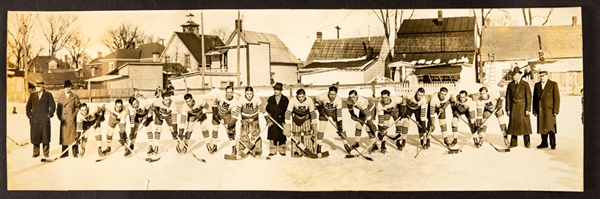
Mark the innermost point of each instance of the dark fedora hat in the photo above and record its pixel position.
(68, 83)
(39, 82)
(278, 86)
(516, 70)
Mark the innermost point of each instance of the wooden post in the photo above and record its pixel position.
(239, 74)
(90, 91)
(202, 41)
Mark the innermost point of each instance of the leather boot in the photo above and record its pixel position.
(75, 150)
(46, 148)
(36, 151)
(65, 149)
(552, 136)
(513, 141)
(544, 143)
(527, 141)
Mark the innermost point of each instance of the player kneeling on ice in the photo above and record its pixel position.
(249, 107)
(118, 116)
(164, 109)
(301, 117)
(89, 119)
(365, 118)
(388, 108)
(191, 112)
(140, 113)
(222, 112)
(437, 107)
(462, 105)
(329, 104)
(486, 106)
(413, 104)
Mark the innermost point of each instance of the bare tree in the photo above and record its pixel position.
(524, 16)
(20, 43)
(222, 32)
(123, 36)
(529, 16)
(76, 47)
(548, 17)
(387, 18)
(58, 30)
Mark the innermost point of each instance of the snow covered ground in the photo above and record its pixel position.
(472, 169)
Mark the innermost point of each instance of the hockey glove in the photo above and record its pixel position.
(340, 126)
(147, 121)
(215, 114)
(287, 130)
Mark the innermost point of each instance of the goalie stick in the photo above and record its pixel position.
(247, 149)
(301, 146)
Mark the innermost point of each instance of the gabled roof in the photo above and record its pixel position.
(193, 43)
(53, 78)
(449, 24)
(359, 64)
(280, 53)
(40, 63)
(345, 48)
(521, 42)
(142, 52)
(444, 57)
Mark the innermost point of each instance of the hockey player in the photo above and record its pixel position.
(223, 109)
(140, 113)
(164, 109)
(365, 118)
(486, 105)
(89, 119)
(388, 108)
(191, 112)
(301, 117)
(413, 104)
(249, 107)
(462, 105)
(329, 104)
(437, 106)
(118, 115)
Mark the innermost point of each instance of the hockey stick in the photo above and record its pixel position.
(476, 131)
(382, 136)
(349, 155)
(499, 150)
(455, 151)
(64, 151)
(22, 144)
(102, 158)
(127, 145)
(301, 146)
(186, 147)
(426, 135)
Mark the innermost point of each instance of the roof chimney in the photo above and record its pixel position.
(319, 36)
(99, 54)
(238, 24)
(440, 18)
(574, 21)
(155, 56)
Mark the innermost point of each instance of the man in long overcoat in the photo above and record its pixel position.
(276, 106)
(546, 104)
(518, 108)
(39, 109)
(67, 107)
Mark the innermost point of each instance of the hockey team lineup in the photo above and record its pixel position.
(305, 123)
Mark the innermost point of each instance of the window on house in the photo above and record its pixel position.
(506, 75)
(186, 60)
(111, 66)
(93, 72)
(224, 84)
(52, 64)
(224, 64)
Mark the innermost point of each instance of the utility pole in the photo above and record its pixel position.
(338, 31)
(239, 74)
(202, 41)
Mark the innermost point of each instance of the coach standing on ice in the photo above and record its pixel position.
(67, 107)
(276, 106)
(40, 108)
(518, 108)
(546, 104)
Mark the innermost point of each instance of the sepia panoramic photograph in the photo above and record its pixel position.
(465, 99)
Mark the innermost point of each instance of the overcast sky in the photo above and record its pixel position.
(296, 28)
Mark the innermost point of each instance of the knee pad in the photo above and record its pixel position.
(320, 135)
(358, 132)
(205, 134)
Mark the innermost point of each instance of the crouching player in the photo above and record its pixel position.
(330, 105)
(486, 105)
(301, 118)
(413, 104)
(192, 112)
(437, 107)
(89, 119)
(249, 107)
(365, 118)
(140, 113)
(462, 105)
(164, 110)
(222, 112)
(118, 116)
(387, 108)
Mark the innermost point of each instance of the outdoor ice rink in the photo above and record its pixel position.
(433, 170)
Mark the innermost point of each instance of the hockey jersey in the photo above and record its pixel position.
(384, 107)
(463, 107)
(224, 105)
(364, 105)
(330, 107)
(302, 110)
(119, 115)
(164, 108)
(489, 104)
(143, 109)
(94, 112)
(412, 103)
(435, 102)
(200, 107)
(249, 107)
